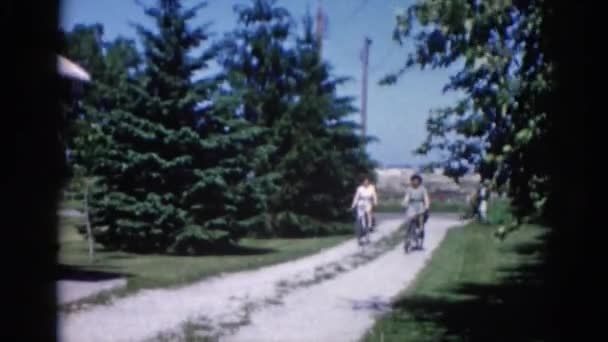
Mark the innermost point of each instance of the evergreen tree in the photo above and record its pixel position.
(183, 164)
(257, 64)
(109, 64)
(112, 66)
(316, 154)
(153, 153)
(325, 156)
(229, 199)
(83, 45)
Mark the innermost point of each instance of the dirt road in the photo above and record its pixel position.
(330, 296)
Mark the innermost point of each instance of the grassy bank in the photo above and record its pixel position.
(150, 271)
(474, 289)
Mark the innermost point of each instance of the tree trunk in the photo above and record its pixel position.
(90, 237)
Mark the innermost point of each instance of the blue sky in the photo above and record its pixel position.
(396, 114)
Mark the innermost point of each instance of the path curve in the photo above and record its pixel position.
(246, 305)
(344, 308)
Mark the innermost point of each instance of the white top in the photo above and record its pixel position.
(366, 194)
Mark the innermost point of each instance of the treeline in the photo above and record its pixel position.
(182, 163)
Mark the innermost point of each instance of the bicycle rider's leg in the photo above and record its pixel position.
(358, 224)
(372, 220)
(360, 227)
(422, 230)
(408, 220)
(368, 219)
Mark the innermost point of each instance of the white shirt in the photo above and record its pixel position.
(366, 194)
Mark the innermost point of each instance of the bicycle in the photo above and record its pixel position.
(414, 235)
(362, 226)
(372, 227)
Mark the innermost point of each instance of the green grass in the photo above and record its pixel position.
(499, 212)
(475, 288)
(151, 271)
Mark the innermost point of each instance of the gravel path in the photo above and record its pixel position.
(344, 308)
(69, 291)
(310, 299)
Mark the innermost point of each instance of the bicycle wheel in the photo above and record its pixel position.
(407, 247)
(419, 238)
(367, 229)
(410, 236)
(361, 230)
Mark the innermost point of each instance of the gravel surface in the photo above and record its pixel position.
(330, 296)
(344, 308)
(70, 290)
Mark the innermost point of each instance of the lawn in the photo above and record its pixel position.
(150, 271)
(475, 288)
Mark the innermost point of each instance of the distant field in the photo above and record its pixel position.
(446, 195)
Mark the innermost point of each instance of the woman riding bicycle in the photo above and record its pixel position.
(416, 199)
(366, 196)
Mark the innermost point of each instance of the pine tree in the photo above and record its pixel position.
(229, 199)
(324, 154)
(153, 152)
(83, 45)
(257, 64)
(111, 65)
(316, 154)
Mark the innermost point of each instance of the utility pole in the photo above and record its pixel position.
(321, 25)
(365, 60)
